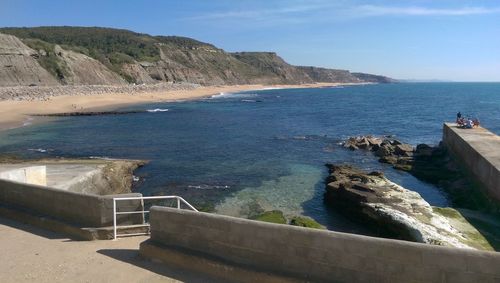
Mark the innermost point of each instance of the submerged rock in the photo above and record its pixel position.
(389, 150)
(401, 213)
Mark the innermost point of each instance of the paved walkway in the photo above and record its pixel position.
(29, 254)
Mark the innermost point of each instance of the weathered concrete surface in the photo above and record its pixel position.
(90, 176)
(199, 263)
(317, 255)
(479, 151)
(35, 175)
(75, 208)
(80, 203)
(29, 254)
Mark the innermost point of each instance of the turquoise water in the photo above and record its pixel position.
(266, 148)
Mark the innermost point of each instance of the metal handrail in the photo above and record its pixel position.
(115, 235)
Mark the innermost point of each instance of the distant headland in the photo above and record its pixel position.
(52, 56)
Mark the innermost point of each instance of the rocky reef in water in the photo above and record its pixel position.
(431, 164)
(396, 212)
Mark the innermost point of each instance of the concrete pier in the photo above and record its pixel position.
(479, 150)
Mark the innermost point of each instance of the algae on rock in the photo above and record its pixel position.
(274, 216)
(307, 222)
(403, 214)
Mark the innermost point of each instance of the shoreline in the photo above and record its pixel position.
(19, 113)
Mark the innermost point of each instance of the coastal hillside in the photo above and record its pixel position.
(105, 56)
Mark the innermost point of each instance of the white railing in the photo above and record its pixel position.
(180, 201)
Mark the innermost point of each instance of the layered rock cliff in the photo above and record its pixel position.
(18, 64)
(104, 56)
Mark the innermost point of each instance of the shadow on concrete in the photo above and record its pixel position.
(131, 256)
(32, 229)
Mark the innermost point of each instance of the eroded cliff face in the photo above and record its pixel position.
(83, 70)
(274, 67)
(19, 66)
(330, 75)
(103, 56)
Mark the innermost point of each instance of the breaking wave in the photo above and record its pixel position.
(157, 110)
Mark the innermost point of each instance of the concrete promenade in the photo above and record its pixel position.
(29, 254)
(479, 151)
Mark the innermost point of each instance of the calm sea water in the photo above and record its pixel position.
(264, 149)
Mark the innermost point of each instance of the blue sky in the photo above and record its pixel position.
(421, 39)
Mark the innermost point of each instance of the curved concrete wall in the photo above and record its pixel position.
(81, 209)
(317, 255)
(479, 151)
(36, 175)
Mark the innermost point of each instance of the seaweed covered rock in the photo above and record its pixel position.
(277, 216)
(307, 222)
(432, 164)
(399, 213)
(273, 216)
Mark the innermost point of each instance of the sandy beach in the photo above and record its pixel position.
(18, 113)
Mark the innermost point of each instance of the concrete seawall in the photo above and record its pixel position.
(232, 245)
(82, 210)
(479, 150)
(36, 175)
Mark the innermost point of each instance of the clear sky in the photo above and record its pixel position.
(421, 39)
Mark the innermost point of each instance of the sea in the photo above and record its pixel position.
(238, 153)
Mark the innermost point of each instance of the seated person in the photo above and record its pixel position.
(475, 122)
(469, 124)
(461, 122)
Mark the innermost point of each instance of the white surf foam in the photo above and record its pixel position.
(221, 95)
(39, 150)
(157, 110)
(28, 121)
(232, 95)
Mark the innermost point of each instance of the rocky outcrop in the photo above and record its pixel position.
(373, 78)
(138, 73)
(432, 164)
(329, 75)
(400, 213)
(18, 64)
(388, 150)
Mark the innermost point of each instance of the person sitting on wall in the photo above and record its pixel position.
(469, 124)
(461, 122)
(459, 116)
(475, 122)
